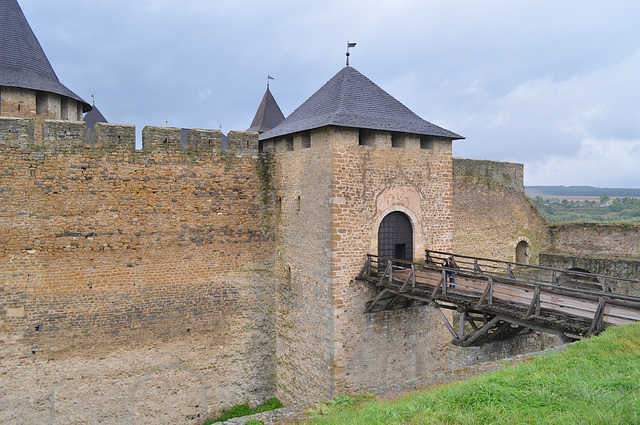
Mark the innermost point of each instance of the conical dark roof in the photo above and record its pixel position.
(350, 99)
(94, 116)
(22, 61)
(268, 115)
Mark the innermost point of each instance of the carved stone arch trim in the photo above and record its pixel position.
(418, 243)
(516, 247)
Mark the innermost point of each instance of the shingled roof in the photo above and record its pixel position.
(350, 99)
(23, 63)
(94, 116)
(268, 115)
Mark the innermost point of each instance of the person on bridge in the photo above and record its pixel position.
(450, 264)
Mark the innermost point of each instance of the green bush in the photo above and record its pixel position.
(244, 410)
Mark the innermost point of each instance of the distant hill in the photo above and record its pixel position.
(560, 191)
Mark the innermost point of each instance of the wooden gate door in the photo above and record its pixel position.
(395, 237)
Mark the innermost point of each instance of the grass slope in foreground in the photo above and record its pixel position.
(595, 381)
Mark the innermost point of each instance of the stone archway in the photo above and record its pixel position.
(523, 252)
(395, 236)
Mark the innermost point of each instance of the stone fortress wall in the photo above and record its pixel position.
(137, 286)
(492, 214)
(163, 284)
(608, 249)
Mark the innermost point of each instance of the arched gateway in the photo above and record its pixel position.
(395, 236)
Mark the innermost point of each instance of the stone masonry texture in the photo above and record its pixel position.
(165, 284)
(491, 212)
(136, 285)
(332, 194)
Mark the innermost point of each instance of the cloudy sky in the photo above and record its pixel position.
(551, 84)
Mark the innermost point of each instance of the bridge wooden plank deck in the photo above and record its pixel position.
(500, 300)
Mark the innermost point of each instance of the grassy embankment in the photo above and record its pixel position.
(595, 381)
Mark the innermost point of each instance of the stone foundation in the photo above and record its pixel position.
(461, 357)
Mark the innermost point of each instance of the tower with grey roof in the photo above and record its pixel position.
(29, 87)
(268, 114)
(356, 172)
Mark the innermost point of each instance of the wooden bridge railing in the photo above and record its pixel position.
(528, 296)
(539, 274)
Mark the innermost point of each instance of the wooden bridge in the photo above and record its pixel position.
(499, 300)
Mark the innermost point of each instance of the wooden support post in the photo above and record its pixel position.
(463, 317)
(392, 302)
(485, 293)
(368, 265)
(413, 275)
(440, 283)
(376, 299)
(428, 258)
(472, 323)
(390, 266)
(597, 325)
(383, 276)
(482, 331)
(446, 322)
(535, 304)
(443, 279)
(366, 269)
(490, 302)
(405, 283)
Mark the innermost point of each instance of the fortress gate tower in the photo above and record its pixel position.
(356, 172)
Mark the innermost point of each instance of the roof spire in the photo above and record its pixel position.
(349, 45)
(269, 114)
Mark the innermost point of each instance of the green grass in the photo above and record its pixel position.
(596, 381)
(244, 410)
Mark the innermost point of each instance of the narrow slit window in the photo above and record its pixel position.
(305, 140)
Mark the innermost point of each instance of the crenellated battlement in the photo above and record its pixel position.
(169, 142)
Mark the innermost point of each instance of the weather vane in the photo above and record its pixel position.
(269, 77)
(349, 44)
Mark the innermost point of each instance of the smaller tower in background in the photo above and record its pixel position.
(268, 115)
(91, 118)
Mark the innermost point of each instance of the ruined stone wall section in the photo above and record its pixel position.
(127, 271)
(369, 182)
(491, 173)
(492, 213)
(597, 240)
(625, 268)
